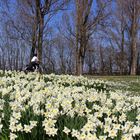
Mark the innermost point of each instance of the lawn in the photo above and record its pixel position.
(125, 83)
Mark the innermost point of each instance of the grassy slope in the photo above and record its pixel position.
(131, 83)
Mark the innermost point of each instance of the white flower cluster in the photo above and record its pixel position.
(28, 97)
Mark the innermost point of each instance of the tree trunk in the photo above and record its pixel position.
(33, 41)
(17, 59)
(133, 57)
(40, 23)
(122, 54)
(102, 67)
(77, 37)
(79, 67)
(40, 37)
(133, 35)
(76, 64)
(138, 57)
(76, 55)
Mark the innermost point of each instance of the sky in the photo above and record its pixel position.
(71, 8)
(56, 18)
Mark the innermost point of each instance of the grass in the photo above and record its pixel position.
(126, 83)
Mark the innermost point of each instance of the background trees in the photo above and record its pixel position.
(71, 36)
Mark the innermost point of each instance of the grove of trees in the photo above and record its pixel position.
(71, 36)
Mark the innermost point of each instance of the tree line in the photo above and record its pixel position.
(71, 36)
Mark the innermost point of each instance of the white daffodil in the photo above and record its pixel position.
(66, 130)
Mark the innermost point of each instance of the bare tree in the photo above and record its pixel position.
(116, 33)
(46, 8)
(132, 11)
(85, 27)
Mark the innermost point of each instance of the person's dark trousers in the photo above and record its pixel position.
(35, 65)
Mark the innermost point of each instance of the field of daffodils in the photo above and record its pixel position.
(52, 107)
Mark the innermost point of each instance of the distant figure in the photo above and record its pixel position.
(35, 62)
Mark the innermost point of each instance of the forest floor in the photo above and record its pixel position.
(126, 83)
